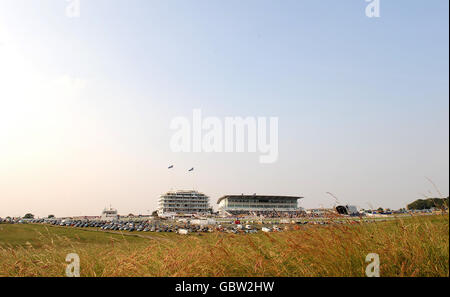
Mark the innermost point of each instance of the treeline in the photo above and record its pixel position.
(429, 203)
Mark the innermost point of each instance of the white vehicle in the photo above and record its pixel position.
(182, 231)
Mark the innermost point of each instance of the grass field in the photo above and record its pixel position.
(416, 246)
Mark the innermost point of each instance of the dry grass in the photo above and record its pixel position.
(417, 246)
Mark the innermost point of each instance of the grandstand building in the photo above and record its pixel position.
(257, 204)
(183, 202)
(109, 214)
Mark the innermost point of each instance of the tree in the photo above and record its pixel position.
(429, 203)
(28, 216)
(51, 216)
(155, 214)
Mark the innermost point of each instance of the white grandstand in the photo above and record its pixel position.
(183, 202)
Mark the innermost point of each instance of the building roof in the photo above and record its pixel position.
(183, 192)
(254, 196)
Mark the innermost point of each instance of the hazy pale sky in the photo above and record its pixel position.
(86, 103)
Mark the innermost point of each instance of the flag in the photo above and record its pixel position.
(170, 167)
(192, 169)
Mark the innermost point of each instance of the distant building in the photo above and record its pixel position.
(109, 214)
(257, 203)
(183, 202)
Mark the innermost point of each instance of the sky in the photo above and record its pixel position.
(86, 102)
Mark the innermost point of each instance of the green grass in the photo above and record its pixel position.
(39, 235)
(417, 246)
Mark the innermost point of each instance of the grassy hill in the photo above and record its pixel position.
(429, 203)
